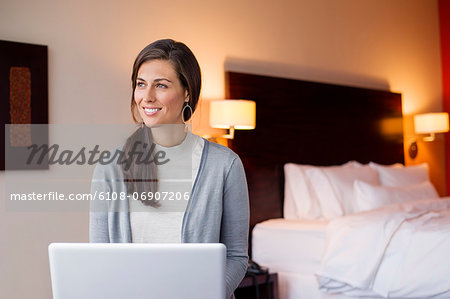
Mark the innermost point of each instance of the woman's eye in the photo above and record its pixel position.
(140, 84)
(159, 85)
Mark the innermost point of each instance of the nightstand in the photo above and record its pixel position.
(247, 287)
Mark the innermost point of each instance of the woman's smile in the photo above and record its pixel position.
(151, 111)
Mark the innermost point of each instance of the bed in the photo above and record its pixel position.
(352, 235)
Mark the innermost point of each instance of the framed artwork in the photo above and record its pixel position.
(24, 102)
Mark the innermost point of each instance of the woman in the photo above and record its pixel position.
(166, 84)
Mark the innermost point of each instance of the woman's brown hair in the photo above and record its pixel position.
(142, 177)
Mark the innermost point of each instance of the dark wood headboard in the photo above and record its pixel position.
(310, 123)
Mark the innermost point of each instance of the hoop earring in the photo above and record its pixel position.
(187, 125)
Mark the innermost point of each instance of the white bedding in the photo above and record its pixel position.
(301, 286)
(289, 245)
(293, 249)
(399, 250)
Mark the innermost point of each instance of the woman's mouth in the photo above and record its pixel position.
(151, 111)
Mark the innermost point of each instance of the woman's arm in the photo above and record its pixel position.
(235, 225)
(98, 212)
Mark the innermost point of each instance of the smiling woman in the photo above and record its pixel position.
(166, 83)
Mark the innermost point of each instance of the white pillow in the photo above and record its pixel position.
(370, 197)
(333, 187)
(300, 201)
(401, 176)
(396, 165)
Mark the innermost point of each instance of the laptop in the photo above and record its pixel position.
(127, 270)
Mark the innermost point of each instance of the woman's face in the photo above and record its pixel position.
(159, 95)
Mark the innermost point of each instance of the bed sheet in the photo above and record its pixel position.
(289, 245)
(305, 286)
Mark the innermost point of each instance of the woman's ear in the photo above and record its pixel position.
(186, 96)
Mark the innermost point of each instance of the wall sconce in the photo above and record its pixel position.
(232, 115)
(431, 123)
(428, 123)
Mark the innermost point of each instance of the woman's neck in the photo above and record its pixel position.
(168, 135)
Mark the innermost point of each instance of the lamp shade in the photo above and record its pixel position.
(239, 114)
(431, 123)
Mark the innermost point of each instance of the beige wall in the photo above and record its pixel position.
(92, 44)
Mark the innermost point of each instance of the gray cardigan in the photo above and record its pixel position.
(217, 212)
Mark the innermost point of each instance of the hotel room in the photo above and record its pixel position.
(313, 68)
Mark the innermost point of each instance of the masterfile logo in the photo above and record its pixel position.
(55, 169)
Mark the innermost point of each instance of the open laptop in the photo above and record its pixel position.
(124, 270)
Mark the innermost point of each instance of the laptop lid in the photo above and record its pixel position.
(126, 270)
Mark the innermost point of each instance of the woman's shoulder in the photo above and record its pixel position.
(219, 152)
(221, 159)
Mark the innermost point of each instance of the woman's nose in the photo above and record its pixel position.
(149, 96)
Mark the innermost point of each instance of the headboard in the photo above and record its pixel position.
(310, 123)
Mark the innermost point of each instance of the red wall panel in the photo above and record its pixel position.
(444, 22)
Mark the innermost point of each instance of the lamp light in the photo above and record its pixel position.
(431, 123)
(428, 123)
(232, 114)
